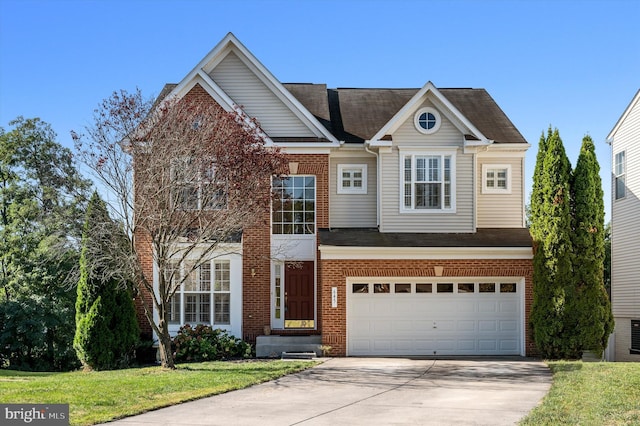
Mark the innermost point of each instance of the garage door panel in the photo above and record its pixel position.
(508, 325)
(509, 345)
(468, 325)
(489, 326)
(487, 306)
(465, 323)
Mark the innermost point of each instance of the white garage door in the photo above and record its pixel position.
(409, 317)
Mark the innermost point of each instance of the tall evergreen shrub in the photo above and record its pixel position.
(595, 320)
(106, 326)
(552, 309)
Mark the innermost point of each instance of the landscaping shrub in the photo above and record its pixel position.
(203, 343)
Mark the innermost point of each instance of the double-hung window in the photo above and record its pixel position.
(428, 182)
(202, 293)
(195, 185)
(619, 172)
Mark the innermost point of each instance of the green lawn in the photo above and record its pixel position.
(598, 393)
(96, 397)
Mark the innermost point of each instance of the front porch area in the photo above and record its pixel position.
(274, 346)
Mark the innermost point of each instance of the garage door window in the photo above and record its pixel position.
(402, 288)
(381, 288)
(466, 288)
(360, 288)
(445, 287)
(424, 288)
(430, 288)
(487, 287)
(508, 288)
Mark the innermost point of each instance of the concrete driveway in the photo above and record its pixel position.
(375, 391)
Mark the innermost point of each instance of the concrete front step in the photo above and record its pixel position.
(274, 346)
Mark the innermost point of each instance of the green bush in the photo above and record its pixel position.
(204, 343)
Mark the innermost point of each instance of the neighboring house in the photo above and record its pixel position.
(407, 232)
(625, 233)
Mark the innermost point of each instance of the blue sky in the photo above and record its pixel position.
(574, 65)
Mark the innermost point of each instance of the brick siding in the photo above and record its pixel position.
(335, 272)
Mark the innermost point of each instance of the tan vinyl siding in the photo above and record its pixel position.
(447, 135)
(258, 100)
(394, 221)
(625, 239)
(495, 210)
(353, 210)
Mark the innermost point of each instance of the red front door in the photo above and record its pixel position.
(299, 295)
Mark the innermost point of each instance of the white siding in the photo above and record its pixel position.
(501, 210)
(247, 90)
(353, 210)
(625, 238)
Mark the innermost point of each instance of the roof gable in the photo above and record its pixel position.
(429, 91)
(625, 114)
(230, 50)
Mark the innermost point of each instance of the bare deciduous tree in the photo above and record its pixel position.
(202, 175)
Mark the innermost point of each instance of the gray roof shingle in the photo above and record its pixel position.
(483, 237)
(355, 115)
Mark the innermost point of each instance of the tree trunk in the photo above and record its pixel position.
(164, 347)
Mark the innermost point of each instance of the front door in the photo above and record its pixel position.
(299, 295)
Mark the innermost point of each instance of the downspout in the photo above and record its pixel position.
(366, 148)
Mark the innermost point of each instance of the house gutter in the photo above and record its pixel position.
(378, 189)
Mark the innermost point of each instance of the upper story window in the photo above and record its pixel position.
(619, 171)
(294, 206)
(195, 186)
(352, 178)
(428, 182)
(427, 120)
(496, 179)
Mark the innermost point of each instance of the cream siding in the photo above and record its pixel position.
(408, 137)
(496, 210)
(394, 221)
(625, 229)
(353, 210)
(258, 100)
(447, 135)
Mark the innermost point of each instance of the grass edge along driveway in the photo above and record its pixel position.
(592, 393)
(100, 396)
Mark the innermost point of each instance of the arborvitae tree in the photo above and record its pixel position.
(536, 190)
(553, 291)
(106, 325)
(595, 320)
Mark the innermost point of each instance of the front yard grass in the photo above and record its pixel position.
(593, 393)
(100, 396)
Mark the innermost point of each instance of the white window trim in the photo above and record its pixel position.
(487, 190)
(617, 176)
(226, 252)
(352, 167)
(435, 113)
(315, 217)
(426, 152)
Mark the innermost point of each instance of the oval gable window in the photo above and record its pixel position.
(427, 120)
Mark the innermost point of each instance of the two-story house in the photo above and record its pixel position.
(624, 139)
(399, 230)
